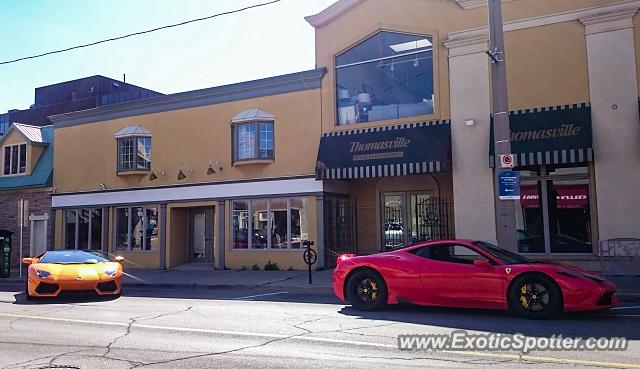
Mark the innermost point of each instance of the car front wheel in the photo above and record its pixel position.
(366, 290)
(535, 297)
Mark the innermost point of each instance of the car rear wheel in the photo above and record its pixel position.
(366, 290)
(535, 297)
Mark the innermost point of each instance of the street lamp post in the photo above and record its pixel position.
(506, 220)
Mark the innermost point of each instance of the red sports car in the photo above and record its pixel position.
(469, 274)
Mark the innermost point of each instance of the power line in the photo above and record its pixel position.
(140, 33)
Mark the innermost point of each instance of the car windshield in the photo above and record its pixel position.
(507, 257)
(72, 257)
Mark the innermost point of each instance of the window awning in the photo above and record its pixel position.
(550, 135)
(398, 150)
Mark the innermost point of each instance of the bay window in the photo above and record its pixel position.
(269, 224)
(253, 141)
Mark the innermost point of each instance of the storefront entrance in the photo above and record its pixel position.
(201, 235)
(412, 217)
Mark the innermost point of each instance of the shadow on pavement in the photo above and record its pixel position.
(600, 324)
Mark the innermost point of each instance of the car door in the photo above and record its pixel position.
(450, 278)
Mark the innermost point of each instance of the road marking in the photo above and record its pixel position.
(548, 359)
(625, 307)
(260, 295)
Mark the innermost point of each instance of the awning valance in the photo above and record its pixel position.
(550, 135)
(398, 150)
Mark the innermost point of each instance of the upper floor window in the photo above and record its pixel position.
(15, 159)
(387, 76)
(134, 149)
(253, 137)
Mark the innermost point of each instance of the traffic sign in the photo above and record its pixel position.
(506, 161)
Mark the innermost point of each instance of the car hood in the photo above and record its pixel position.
(76, 269)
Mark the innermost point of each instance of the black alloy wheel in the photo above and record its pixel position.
(366, 290)
(535, 297)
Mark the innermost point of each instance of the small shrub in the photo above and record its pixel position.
(244, 267)
(255, 266)
(271, 266)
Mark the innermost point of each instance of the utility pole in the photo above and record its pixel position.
(506, 218)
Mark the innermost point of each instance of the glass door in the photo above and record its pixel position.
(408, 218)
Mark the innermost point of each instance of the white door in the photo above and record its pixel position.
(38, 236)
(199, 236)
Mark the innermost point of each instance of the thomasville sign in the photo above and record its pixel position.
(565, 130)
(397, 143)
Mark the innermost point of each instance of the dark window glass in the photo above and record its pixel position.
(70, 229)
(387, 76)
(529, 221)
(122, 229)
(279, 223)
(96, 229)
(569, 216)
(14, 158)
(7, 160)
(240, 224)
(83, 229)
(259, 222)
(299, 221)
(23, 159)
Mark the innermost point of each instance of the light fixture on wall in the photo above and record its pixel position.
(102, 187)
(210, 170)
(469, 122)
(181, 175)
(153, 176)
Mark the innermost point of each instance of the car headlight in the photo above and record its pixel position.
(111, 271)
(42, 273)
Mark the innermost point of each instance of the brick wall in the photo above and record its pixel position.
(39, 204)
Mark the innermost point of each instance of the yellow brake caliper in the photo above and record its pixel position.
(523, 298)
(374, 291)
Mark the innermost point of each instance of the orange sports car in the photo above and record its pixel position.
(72, 270)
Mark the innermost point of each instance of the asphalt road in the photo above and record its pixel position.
(263, 328)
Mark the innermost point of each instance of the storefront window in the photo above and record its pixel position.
(554, 211)
(529, 220)
(83, 229)
(299, 222)
(240, 224)
(259, 220)
(137, 229)
(70, 229)
(280, 223)
(387, 76)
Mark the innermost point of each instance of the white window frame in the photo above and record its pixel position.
(145, 221)
(18, 173)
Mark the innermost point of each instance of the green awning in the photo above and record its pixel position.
(550, 135)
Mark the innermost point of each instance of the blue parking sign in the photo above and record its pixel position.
(509, 185)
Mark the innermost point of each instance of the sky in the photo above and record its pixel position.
(256, 43)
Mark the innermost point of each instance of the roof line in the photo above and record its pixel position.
(292, 82)
(332, 12)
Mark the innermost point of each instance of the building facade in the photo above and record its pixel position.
(386, 143)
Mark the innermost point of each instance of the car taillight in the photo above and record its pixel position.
(344, 257)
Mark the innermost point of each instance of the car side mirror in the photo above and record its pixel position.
(27, 261)
(481, 263)
(119, 259)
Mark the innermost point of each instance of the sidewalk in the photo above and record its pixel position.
(198, 278)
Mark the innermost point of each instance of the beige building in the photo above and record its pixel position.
(386, 143)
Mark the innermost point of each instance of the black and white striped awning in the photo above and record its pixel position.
(549, 135)
(398, 150)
